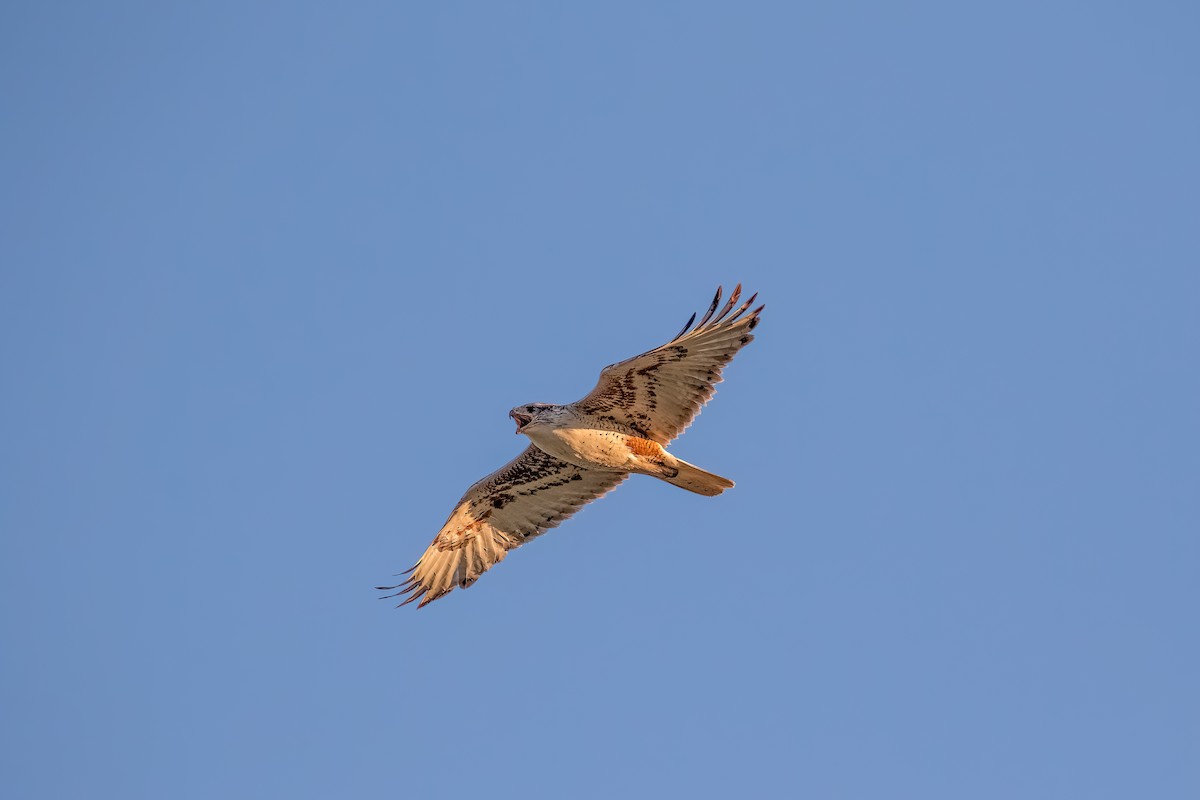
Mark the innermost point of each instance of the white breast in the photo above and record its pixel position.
(584, 447)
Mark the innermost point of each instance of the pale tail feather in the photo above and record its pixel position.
(696, 480)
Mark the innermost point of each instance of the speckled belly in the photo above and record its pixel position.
(586, 447)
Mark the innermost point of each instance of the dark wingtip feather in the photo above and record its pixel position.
(429, 598)
(708, 314)
(687, 325)
(743, 308)
(713, 317)
(401, 588)
(733, 298)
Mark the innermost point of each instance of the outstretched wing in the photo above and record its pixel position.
(660, 392)
(531, 494)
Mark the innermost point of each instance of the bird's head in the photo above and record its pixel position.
(528, 415)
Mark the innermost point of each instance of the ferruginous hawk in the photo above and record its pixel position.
(582, 450)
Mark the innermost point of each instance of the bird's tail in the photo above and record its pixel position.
(696, 480)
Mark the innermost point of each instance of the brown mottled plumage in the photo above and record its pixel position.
(582, 450)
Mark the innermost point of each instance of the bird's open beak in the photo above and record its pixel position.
(521, 419)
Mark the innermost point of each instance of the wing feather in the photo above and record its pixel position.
(525, 498)
(660, 392)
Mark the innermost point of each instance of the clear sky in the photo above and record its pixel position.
(272, 274)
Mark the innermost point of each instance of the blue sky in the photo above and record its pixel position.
(273, 275)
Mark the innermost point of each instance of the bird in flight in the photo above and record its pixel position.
(582, 450)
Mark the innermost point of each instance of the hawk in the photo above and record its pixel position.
(582, 450)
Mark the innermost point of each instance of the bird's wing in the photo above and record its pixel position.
(531, 494)
(660, 392)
